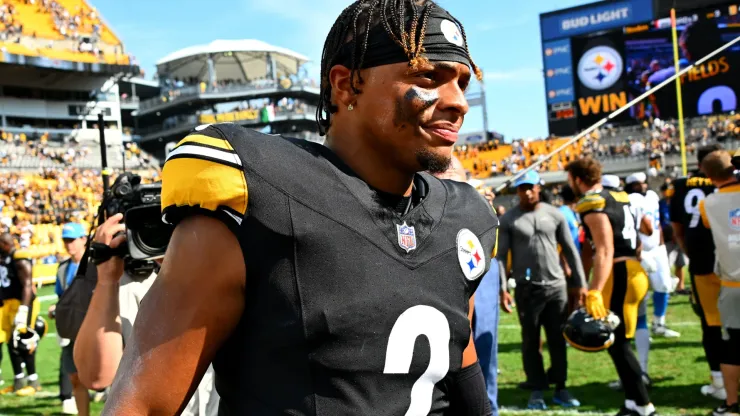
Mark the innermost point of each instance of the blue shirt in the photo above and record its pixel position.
(573, 224)
(485, 330)
(70, 275)
(665, 213)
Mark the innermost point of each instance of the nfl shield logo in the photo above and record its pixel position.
(735, 219)
(406, 237)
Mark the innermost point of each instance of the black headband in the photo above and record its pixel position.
(443, 41)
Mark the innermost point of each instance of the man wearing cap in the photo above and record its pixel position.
(75, 238)
(532, 232)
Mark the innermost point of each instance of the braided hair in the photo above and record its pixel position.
(353, 27)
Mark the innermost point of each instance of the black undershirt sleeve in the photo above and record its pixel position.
(467, 391)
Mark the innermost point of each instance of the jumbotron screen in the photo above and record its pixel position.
(599, 58)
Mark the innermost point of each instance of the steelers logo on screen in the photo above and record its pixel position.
(600, 68)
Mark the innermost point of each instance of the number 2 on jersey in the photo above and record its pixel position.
(629, 232)
(691, 205)
(415, 321)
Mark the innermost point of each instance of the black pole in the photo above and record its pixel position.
(103, 154)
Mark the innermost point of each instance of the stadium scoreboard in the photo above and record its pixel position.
(600, 56)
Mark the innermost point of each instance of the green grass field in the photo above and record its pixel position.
(678, 369)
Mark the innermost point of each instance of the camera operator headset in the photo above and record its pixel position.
(127, 261)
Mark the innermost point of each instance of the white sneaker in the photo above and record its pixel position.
(665, 332)
(69, 407)
(717, 392)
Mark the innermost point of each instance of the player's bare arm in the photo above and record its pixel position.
(98, 347)
(587, 258)
(470, 357)
(191, 309)
(601, 232)
(25, 276)
(680, 235)
(646, 226)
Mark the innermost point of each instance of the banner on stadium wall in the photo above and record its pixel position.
(244, 115)
(558, 71)
(592, 19)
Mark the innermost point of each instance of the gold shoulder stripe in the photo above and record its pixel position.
(206, 148)
(194, 181)
(206, 140)
(592, 202)
(620, 196)
(22, 255)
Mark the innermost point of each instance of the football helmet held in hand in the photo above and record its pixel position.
(585, 333)
(26, 341)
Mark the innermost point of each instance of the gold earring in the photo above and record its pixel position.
(350, 107)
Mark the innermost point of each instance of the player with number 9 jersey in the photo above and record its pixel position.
(684, 210)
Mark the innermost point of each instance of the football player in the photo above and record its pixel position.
(19, 313)
(308, 274)
(619, 281)
(715, 211)
(696, 241)
(646, 202)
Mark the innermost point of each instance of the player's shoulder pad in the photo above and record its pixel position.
(464, 195)
(22, 254)
(203, 171)
(591, 202)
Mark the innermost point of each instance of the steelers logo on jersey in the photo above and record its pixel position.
(470, 254)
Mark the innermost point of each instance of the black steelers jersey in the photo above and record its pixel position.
(10, 284)
(351, 308)
(684, 209)
(616, 205)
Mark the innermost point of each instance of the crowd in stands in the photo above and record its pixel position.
(59, 29)
(70, 25)
(33, 207)
(653, 140)
(10, 27)
(19, 145)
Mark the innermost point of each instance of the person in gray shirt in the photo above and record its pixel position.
(532, 232)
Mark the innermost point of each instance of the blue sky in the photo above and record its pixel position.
(504, 39)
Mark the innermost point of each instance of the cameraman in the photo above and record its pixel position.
(109, 321)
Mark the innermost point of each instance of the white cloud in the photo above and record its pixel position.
(518, 75)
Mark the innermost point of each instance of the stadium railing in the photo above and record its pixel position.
(193, 91)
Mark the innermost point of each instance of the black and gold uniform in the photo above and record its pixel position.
(11, 290)
(626, 287)
(688, 192)
(343, 280)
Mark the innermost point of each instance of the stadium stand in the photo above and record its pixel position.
(18, 152)
(69, 30)
(651, 142)
(34, 206)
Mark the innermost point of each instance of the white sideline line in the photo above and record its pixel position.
(47, 298)
(518, 411)
(669, 324)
